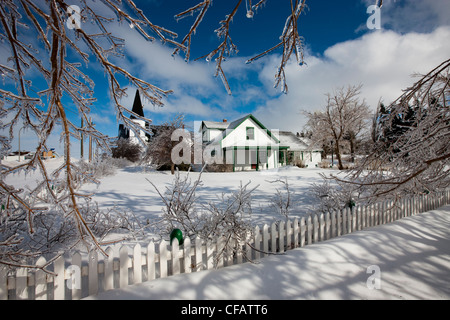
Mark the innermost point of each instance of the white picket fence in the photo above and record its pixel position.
(77, 277)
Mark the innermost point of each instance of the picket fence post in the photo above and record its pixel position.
(321, 227)
(151, 261)
(303, 231)
(239, 246)
(198, 254)
(257, 243)
(163, 259)
(296, 230)
(209, 255)
(309, 230)
(58, 280)
(109, 269)
(93, 273)
(187, 255)
(21, 283)
(137, 264)
(289, 234)
(3, 283)
(123, 267)
(273, 237)
(315, 233)
(40, 279)
(75, 278)
(266, 239)
(281, 234)
(175, 257)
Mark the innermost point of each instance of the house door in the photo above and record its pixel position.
(253, 159)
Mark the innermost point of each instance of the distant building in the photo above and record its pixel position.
(301, 150)
(126, 133)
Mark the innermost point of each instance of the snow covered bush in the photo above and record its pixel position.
(127, 150)
(284, 201)
(228, 217)
(331, 197)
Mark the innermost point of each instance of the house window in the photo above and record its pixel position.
(250, 133)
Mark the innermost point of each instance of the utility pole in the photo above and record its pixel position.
(82, 139)
(90, 141)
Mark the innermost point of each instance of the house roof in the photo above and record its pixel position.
(216, 125)
(233, 125)
(296, 143)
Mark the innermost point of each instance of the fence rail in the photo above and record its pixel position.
(79, 276)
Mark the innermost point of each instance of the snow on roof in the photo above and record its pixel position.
(294, 142)
(216, 125)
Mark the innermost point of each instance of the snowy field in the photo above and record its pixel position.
(129, 188)
(407, 259)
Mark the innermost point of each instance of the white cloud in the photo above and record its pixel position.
(383, 61)
(154, 63)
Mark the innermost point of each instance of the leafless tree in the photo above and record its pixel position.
(44, 76)
(160, 145)
(344, 115)
(416, 160)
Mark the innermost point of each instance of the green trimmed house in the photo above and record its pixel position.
(248, 145)
(245, 143)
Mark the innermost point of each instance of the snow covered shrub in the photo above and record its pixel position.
(331, 197)
(228, 217)
(283, 202)
(102, 167)
(128, 150)
(219, 167)
(112, 222)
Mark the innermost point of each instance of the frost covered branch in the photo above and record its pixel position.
(290, 40)
(411, 151)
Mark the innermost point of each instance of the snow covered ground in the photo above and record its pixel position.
(129, 188)
(410, 258)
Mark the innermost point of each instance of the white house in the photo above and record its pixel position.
(248, 145)
(245, 143)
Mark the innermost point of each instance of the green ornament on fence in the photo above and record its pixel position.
(351, 204)
(176, 233)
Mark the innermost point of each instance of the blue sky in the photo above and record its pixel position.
(339, 50)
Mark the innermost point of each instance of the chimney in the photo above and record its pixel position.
(224, 120)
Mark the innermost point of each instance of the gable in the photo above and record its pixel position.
(236, 134)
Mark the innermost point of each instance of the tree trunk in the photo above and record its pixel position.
(352, 149)
(338, 155)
